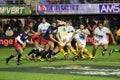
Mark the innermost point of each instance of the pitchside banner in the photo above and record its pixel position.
(14, 10)
(79, 8)
(9, 41)
(109, 8)
(68, 9)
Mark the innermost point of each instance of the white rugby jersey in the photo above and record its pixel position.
(101, 33)
(80, 35)
(43, 27)
(63, 31)
(71, 30)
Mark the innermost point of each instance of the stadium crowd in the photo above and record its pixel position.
(90, 22)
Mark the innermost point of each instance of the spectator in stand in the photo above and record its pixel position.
(12, 24)
(27, 21)
(1, 30)
(85, 1)
(5, 25)
(18, 25)
(91, 25)
(74, 2)
(37, 24)
(43, 1)
(9, 32)
(114, 24)
(118, 42)
(52, 1)
(2, 2)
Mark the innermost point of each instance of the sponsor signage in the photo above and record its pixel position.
(14, 10)
(109, 8)
(68, 8)
(112, 8)
(9, 41)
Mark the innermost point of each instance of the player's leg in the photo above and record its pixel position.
(94, 50)
(73, 51)
(63, 52)
(105, 46)
(11, 56)
(51, 44)
(87, 52)
(23, 47)
(36, 41)
(20, 51)
(115, 50)
(80, 48)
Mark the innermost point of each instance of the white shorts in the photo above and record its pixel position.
(70, 35)
(83, 42)
(101, 42)
(65, 40)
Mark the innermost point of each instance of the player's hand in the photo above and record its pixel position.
(96, 41)
(114, 42)
(24, 45)
(61, 43)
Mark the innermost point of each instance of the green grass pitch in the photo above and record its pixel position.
(102, 68)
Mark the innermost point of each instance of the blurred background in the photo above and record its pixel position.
(15, 14)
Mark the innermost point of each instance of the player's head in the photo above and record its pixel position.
(100, 24)
(43, 20)
(68, 22)
(26, 29)
(53, 24)
(82, 26)
(31, 23)
(61, 22)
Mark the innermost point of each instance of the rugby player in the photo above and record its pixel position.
(63, 38)
(42, 28)
(19, 45)
(80, 36)
(118, 41)
(49, 40)
(100, 34)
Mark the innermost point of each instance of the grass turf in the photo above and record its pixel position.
(30, 70)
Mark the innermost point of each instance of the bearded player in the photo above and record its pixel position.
(100, 34)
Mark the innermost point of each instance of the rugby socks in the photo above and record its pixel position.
(74, 52)
(18, 59)
(44, 53)
(117, 50)
(49, 53)
(7, 59)
(103, 52)
(11, 56)
(63, 52)
(87, 53)
(32, 51)
(82, 55)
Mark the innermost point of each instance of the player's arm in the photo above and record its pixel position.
(51, 37)
(19, 39)
(39, 29)
(58, 36)
(113, 39)
(117, 34)
(95, 37)
(72, 36)
(31, 33)
(86, 32)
